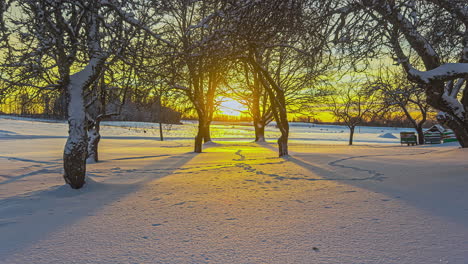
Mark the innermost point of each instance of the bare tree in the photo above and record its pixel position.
(115, 83)
(65, 45)
(249, 91)
(199, 56)
(428, 38)
(352, 106)
(272, 36)
(394, 90)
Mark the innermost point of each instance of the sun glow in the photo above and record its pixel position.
(231, 107)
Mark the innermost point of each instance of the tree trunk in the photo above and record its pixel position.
(75, 152)
(420, 132)
(76, 148)
(206, 132)
(94, 137)
(278, 102)
(283, 146)
(259, 132)
(199, 140)
(351, 135)
(459, 125)
(203, 130)
(161, 132)
(283, 125)
(460, 130)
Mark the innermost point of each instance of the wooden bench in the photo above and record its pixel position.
(408, 138)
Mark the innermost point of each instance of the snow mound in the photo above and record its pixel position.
(387, 135)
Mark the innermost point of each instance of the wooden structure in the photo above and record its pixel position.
(434, 135)
(408, 138)
(449, 136)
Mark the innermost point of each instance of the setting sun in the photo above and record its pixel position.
(233, 131)
(231, 107)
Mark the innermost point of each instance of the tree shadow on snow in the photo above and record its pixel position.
(26, 219)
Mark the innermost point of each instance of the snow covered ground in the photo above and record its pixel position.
(157, 202)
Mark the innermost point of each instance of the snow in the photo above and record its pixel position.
(387, 135)
(453, 104)
(76, 108)
(158, 202)
(443, 72)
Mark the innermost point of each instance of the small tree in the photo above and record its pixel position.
(282, 42)
(198, 57)
(251, 93)
(395, 91)
(352, 107)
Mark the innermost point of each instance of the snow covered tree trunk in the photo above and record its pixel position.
(460, 129)
(76, 148)
(461, 132)
(93, 142)
(454, 115)
(351, 135)
(74, 155)
(445, 97)
(259, 132)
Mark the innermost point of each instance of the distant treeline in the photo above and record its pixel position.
(50, 106)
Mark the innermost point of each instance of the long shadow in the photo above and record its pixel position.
(450, 203)
(142, 157)
(330, 175)
(41, 171)
(24, 220)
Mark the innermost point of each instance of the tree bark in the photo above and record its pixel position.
(93, 142)
(459, 125)
(283, 146)
(459, 129)
(75, 152)
(351, 135)
(420, 132)
(259, 132)
(198, 143)
(278, 102)
(161, 137)
(206, 132)
(199, 138)
(76, 148)
(283, 125)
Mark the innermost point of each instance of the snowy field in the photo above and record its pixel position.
(157, 202)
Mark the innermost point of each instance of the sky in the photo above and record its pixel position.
(232, 107)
